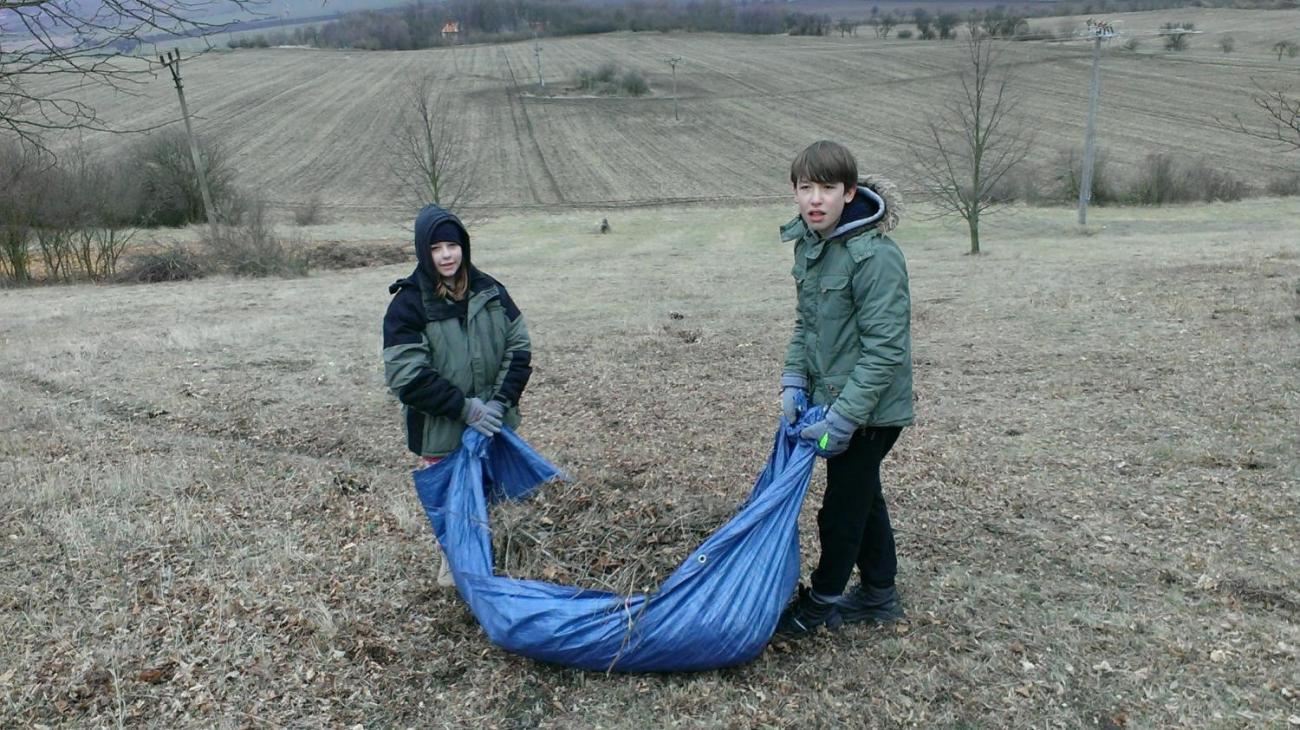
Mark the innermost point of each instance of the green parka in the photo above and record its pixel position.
(437, 353)
(852, 333)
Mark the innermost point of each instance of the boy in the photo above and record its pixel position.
(851, 351)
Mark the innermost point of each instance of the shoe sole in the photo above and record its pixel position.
(873, 618)
(833, 622)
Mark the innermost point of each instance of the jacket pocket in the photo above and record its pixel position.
(836, 301)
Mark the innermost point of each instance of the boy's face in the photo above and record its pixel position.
(821, 203)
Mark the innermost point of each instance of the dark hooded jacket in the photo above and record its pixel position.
(852, 340)
(438, 353)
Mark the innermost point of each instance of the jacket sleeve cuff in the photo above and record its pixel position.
(794, 380)
(839, 422)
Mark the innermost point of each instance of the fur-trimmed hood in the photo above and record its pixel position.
(875, 206)
(889, 199)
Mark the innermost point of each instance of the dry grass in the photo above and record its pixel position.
(207, 518)
(308, 124)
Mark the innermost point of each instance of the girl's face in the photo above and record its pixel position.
(446, 258)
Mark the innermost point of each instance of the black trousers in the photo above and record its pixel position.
(853, 523)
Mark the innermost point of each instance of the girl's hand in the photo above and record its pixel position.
(482, 417)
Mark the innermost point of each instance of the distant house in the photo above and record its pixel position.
(451, 31)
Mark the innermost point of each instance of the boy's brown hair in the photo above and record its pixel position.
(825, 162)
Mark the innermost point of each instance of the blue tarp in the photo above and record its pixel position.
(719, 608)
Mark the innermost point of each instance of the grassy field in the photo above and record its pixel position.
(306, 124)
(206, 518)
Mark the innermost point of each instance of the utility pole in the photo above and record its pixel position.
(537, 52)
(172, 60)
(1099, 31)
(673, 63)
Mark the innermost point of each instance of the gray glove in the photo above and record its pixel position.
(792, 385)
(830, 435)
(481, 417)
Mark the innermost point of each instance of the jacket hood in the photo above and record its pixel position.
(429, 218)
(425, 275)
(877, 205)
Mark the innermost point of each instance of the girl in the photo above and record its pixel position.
(456, 350)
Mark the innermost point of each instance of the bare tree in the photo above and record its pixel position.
(923, 21)
(58, 44)
(432, 155)
(19, 172)
(885, 25)
(1176, 35)
(1278, 121)
(1286, 47)
(972, 145)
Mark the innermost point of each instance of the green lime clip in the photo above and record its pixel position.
(825, 439)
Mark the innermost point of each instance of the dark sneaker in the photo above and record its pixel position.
(867, 603)
(805, 613)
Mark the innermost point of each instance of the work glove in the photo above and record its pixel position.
(830, 435)
(791, 387)
(481, 417)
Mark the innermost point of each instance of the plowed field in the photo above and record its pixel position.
(309, 123)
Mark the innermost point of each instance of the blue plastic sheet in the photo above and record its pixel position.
(719, 608)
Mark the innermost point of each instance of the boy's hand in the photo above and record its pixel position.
(831, 435)
(481, 417)
(791, 386)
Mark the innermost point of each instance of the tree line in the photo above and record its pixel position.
(420, 25)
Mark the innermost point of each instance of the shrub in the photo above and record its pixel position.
(1162, 179)
(54, 243)
(1284, 185)
(608, 79)
(1008, 189)
(1156, 182)
(598, 78)
(169, 193)
(312, 213)
(1131, 45)
(1227, 43)
(73, 215)
(633, 83)
(19, 168)
(252, 248)
(903, 34)
(176, 263)
(1209, 183)
(1069, 177)
(1176, 36)
(15, 253)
